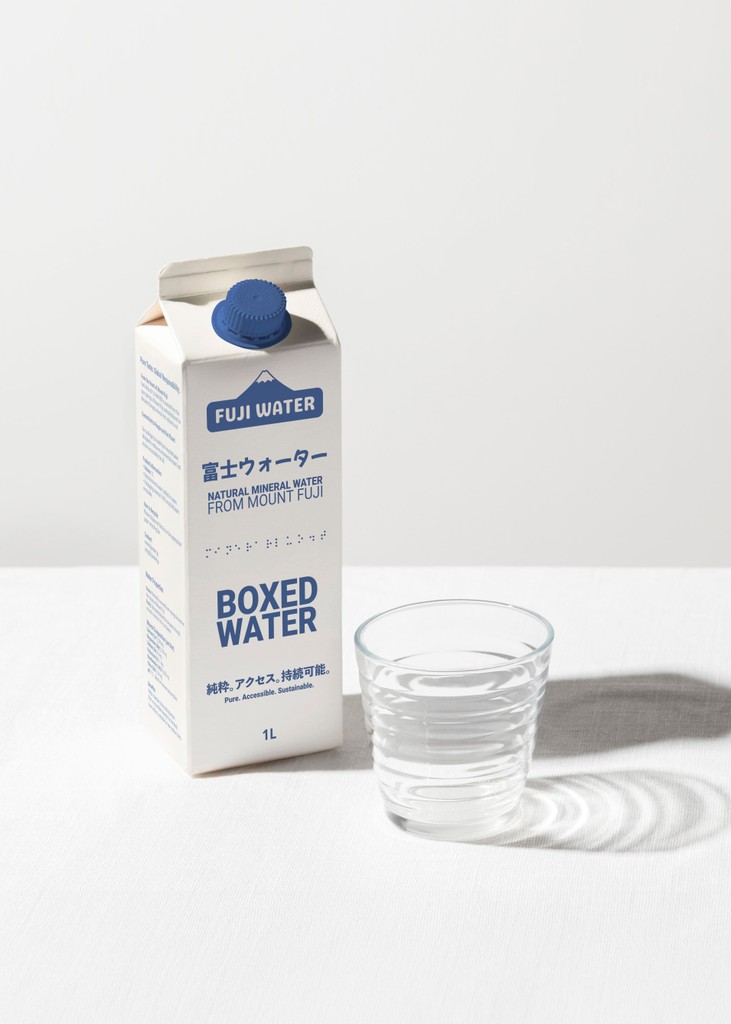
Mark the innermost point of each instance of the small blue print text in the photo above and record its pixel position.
(287, 675)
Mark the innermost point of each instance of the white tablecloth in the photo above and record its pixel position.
(281, 893)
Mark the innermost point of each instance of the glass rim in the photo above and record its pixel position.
(536, 616)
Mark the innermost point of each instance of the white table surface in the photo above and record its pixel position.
(281, 893)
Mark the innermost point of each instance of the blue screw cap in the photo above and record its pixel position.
(253, 315)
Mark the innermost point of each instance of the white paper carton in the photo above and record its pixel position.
(239, 517)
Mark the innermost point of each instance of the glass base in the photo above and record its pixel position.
(458, 832)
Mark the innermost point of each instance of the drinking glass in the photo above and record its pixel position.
(451, 694)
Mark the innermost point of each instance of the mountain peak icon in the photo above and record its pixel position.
(266, 387)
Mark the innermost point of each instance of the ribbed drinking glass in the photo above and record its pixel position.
(451, 695)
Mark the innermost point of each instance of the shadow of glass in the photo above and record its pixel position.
(618, 812)
(355, 753)
(586, 716)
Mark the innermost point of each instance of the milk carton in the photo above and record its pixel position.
(238, 400)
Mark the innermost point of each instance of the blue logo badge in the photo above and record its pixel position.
(267, 400)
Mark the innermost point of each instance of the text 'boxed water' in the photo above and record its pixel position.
(238, 394)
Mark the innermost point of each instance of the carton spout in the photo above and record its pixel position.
(253, 315)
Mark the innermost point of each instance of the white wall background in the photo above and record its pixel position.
(521, 221)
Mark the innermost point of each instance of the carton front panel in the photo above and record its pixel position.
(263, 555)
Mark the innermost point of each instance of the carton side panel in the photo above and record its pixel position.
(161, 526)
